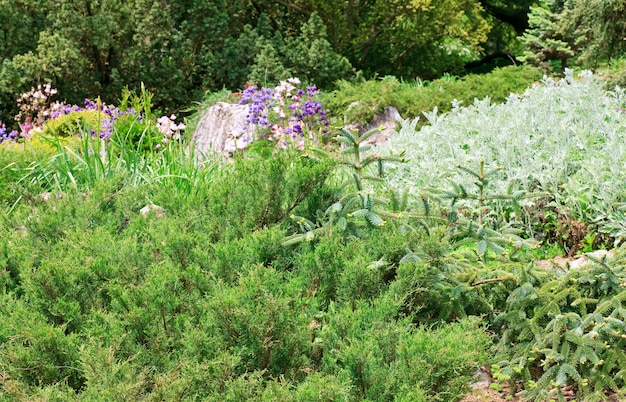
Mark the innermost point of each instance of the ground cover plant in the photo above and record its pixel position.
(203, 298)
(296, 273)
(563, 137)
(205, 301)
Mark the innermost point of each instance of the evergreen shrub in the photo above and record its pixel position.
(357, 102)
(203, 301)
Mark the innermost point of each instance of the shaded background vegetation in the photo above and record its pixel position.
(180, 50)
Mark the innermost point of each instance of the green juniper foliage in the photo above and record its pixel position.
(203, 300)
(358, 101)
(303, 276)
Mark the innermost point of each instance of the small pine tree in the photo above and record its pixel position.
(268, 68)
(548, 37)
(311, 55)
(238, 56)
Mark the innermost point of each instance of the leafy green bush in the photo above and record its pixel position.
(131, 133)
(617, 77)
(359, 101)
(260, 192)
(264, 321)
(73, 124)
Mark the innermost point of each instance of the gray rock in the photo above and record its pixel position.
(575, 263)
(482, 379)
(222, 129)
(584, 260)
(387, 119)
(145, 211)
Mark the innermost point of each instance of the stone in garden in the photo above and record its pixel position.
(159, 211)
(584, 260)
(388, 119)
(482, 379)
(575, 263)
(222, 129)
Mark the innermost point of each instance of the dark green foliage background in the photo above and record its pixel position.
(180, 50)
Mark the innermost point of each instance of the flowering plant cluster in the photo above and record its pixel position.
(36, 109)
(7, 136)
(169, 129)
(285, 114)
(108, 114)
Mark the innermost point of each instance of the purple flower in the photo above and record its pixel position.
(4, 136)
(269, 110)
(89, 104)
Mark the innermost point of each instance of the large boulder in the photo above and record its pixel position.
(387, 118)
(223, 129)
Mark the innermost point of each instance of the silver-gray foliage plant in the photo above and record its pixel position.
(566, 137)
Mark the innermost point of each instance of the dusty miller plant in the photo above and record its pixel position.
(563, 136)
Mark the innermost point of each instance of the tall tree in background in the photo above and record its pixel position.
(406, 37)
(600, 27)
(265, 56)
(89, 48)
(549, 36)
(511, 12)
(593, 29)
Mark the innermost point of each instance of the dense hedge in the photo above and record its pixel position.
(359, 101)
